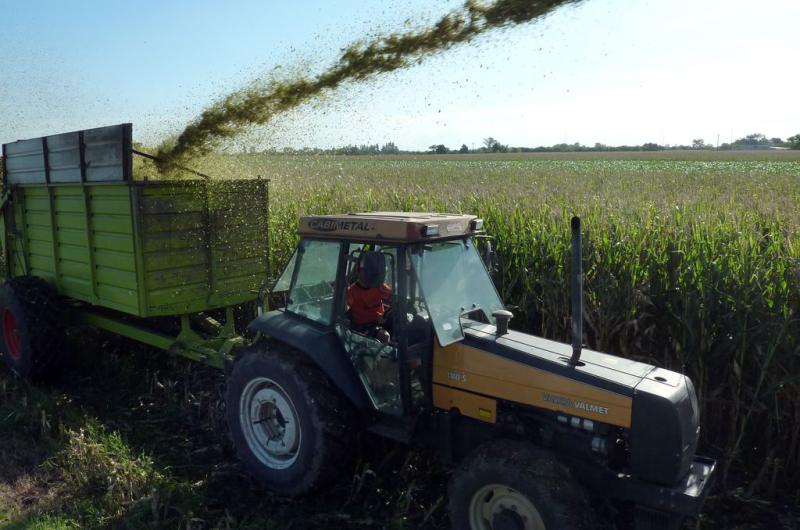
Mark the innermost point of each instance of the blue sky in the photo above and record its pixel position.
(610, 71)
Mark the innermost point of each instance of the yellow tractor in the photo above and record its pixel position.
(391, 324)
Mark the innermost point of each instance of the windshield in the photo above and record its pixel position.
(454, 282)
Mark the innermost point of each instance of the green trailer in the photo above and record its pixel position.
(167, 263)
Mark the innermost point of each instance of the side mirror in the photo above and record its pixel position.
(261, 299)
(490, 258)
(502, 317)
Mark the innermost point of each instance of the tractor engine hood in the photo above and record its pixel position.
(658, 407)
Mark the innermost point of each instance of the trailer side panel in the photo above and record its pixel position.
(80, 237)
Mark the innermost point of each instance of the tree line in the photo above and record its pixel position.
(492, 145)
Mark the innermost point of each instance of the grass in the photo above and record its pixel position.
(690, 264)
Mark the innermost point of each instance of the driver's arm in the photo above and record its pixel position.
(386, 294)
(350, 300)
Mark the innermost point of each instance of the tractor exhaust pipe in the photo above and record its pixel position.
(576, 282)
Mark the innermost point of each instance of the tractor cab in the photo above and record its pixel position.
(388, 285)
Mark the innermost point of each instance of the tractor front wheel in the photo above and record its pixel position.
(511, 485)
(32, 336)
(290, 427)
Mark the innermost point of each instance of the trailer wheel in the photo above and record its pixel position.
(290, 427)
(511, 485)
(33, 338)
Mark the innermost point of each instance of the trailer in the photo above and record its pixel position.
(165, 262)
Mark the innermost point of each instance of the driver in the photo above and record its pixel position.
(369, 296)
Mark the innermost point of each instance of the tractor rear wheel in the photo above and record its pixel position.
(511, 485)
(32, 336)
(290, 427)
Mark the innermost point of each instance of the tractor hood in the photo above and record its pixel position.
(658, 407)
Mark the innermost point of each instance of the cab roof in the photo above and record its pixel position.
(407, 227)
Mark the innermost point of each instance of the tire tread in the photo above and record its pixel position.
(560, 498)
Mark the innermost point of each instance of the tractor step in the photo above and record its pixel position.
(399, 429)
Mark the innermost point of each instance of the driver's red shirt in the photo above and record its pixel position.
(366, 303)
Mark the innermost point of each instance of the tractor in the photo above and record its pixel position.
(534, 427)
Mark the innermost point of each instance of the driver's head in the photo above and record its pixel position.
(372, 269)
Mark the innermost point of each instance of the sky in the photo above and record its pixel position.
(608, 71)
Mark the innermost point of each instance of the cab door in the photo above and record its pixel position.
(396, 372)
(373, 353)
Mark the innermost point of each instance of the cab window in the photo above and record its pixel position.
(284, 282)
(313, 280)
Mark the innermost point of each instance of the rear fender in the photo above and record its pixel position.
(321, 345)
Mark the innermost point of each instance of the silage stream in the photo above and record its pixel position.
(262, 102)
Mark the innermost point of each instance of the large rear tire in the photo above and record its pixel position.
(32, 335)
(291, 428)
(511, 485)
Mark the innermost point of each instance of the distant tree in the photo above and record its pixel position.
(464, 149)
(389, 148)
(698, 143)
(650, 146)
(776, 141)
(494, 146)
(794, 141)
(600, 147)
(752, 139)
(439, 149)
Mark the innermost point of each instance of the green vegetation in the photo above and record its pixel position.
(690, 264)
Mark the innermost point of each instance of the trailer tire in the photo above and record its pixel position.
(512, 484)
(290, 427)
(32, 335)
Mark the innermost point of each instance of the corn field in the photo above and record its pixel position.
(693, 265)
(690, 265)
